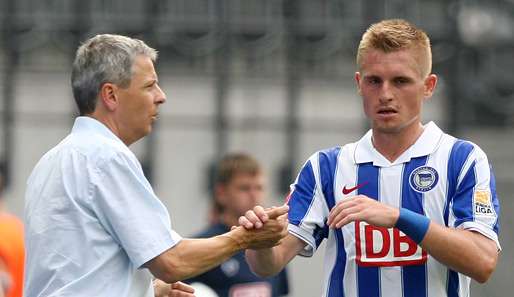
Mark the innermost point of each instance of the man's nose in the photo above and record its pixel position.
(386, 92)
(161, 96)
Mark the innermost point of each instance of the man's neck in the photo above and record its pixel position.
(393, 145)
(111, 124)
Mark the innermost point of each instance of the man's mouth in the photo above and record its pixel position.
(387, 111)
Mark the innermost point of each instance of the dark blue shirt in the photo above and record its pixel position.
(235, 274)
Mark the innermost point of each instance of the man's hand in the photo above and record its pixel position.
(178, 289)
(262, 228)
(362, 208)
(258, 216)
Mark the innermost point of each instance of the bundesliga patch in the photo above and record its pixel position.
(482, 203)
(423, 179)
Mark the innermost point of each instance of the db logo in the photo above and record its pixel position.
(379, 246)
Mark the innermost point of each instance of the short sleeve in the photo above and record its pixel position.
(307, 208)
(129, 210)
(475, 205)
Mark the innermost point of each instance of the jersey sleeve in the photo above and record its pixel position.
(129, 210)
(307, 208)
(475, 205)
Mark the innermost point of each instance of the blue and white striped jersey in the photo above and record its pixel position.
(446, 179)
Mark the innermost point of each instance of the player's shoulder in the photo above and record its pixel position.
(332, 154)
(462, 148)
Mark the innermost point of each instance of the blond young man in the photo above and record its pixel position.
(407, 210)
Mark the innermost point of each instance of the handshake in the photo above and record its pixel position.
(260, 228)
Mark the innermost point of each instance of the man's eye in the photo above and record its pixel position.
(373, 81)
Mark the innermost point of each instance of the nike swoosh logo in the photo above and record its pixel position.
(347, 191)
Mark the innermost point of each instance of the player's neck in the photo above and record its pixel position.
(393, 145)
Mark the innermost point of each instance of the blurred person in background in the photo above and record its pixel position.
(94, 226)
(239, 185)
(12, 252)
(407, 210)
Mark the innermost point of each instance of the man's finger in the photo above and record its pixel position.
(278, 211)
(253, 218)
(182, 287)
(261, 213)
(243, 221)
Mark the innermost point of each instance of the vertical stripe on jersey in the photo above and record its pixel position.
(328, 167)
(368, 278)
(303, 194)
(463, 206)
(458, 156)
(414, 278)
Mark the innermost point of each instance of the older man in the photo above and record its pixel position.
(94, 226)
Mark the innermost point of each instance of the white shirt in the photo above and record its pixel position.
(92, 219)
(444, 178)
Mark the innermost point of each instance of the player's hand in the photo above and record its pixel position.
(178, 289)
(258, 216)
(362, 208)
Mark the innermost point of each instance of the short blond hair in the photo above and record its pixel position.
(397, 34)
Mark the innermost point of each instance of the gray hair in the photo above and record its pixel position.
(101, 59)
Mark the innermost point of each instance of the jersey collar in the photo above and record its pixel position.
(424, 145)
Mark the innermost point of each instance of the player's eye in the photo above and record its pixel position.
(373, 80)
(401, 80)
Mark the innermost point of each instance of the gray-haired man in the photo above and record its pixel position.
(94, 225)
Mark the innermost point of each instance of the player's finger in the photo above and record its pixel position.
(283, 217)
(253, 218)
(261, 213)
(338, 220)
(278, 211)
(340, 206)
(243, 221)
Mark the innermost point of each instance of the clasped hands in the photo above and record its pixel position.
(265, 227)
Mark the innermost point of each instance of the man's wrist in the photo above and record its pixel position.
(413, 224)
(236, 237)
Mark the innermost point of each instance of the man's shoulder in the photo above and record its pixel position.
(459, 147)
(333, 153)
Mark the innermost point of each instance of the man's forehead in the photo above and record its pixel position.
(143, 66)
(397, 61)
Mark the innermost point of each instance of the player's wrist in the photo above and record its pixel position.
(413, 224)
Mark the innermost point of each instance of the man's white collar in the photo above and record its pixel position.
(426, 144)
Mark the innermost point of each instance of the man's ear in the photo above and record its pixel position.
(430, 84)
(358, 81)
(108, 96)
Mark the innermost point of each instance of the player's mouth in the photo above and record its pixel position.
(387, 111)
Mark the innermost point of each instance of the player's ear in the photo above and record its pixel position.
(358, 81)
(430, 84)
